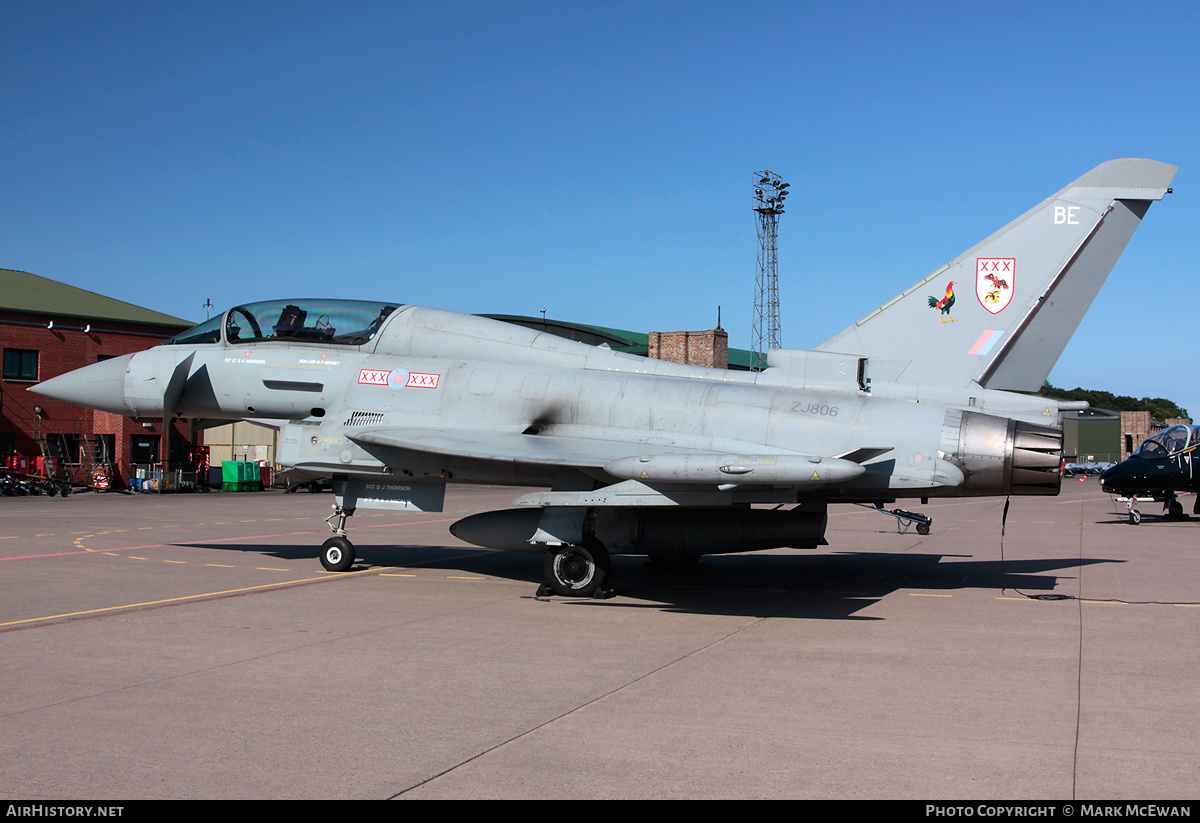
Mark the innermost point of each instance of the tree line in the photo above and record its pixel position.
(1160, 408)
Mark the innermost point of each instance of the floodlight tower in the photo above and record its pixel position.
(769, 194)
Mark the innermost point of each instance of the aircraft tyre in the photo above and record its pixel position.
(577, 571)
(337, 554)
(1135, 517)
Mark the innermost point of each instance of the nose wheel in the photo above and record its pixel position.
(337, 553)
(1135, 516)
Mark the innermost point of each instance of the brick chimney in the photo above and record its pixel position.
(696, 348)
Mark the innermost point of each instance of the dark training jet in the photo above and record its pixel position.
(1163, 465)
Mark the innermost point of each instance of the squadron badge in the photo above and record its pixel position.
(994, 281)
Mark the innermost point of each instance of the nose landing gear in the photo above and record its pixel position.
(337, 553)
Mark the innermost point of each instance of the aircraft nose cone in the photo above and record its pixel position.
(1112, 477)
(98, 386)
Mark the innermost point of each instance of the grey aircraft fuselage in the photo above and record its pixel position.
(650, 457)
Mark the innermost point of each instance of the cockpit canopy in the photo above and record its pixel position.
(1169, 442)
(334, 322)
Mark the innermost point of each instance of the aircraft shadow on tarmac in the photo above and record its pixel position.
(822, 586)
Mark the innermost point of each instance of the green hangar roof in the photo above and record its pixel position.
(28, 293)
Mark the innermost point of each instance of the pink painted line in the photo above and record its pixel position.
(218, 540)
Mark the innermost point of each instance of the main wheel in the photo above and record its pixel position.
(1135, 517)
(577, 571)
(337, 554)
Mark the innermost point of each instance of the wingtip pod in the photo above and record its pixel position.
(1017, 296)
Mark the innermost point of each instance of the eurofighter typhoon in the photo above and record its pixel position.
(640, 456)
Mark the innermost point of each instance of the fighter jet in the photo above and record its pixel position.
(639, 456)
(1163, 465)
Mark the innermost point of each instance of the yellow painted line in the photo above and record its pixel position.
(219, 565)
(1106, 602)
(918, 594)
(184, 562)
(396, 574)
(180, 599)
(269, 569)
(1188, 605)
(131, 557)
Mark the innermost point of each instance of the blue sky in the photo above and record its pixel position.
(593, 159)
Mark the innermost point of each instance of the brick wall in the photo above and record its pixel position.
(61, 349)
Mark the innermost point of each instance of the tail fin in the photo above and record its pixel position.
(1002, 312)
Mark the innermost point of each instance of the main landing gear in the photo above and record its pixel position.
(1173, 509)
(337, 553)
(577, 571)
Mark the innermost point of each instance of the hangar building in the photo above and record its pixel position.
(48, 328)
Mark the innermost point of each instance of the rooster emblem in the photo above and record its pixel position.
(944, 305)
